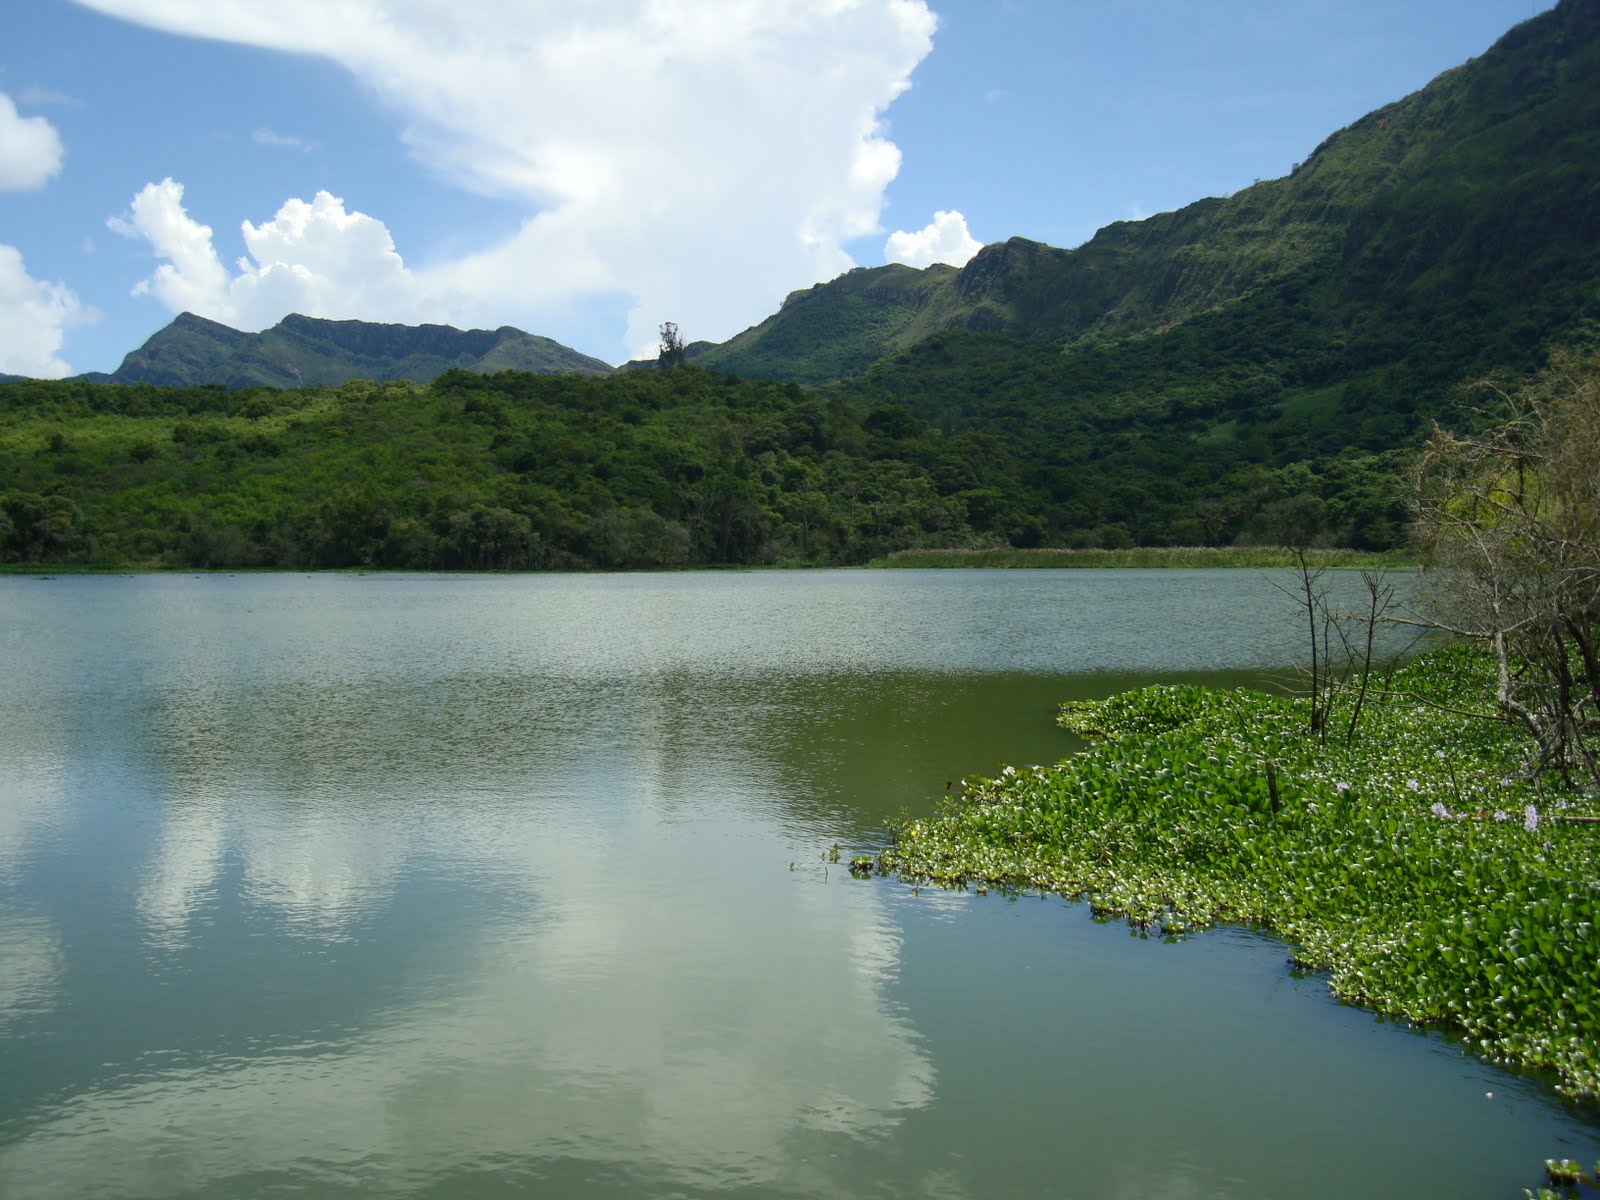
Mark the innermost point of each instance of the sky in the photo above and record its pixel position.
(588, 169)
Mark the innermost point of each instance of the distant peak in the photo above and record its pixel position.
(188, 320)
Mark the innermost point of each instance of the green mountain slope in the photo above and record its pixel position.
(839, 328)
(309, 352)
(1470, 206)
(1256, 368)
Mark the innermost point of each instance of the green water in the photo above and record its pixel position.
(474, 886)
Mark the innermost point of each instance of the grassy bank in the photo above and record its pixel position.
(1417, 865)
(1149, 556)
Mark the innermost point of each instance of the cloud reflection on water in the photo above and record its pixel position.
(628, 976)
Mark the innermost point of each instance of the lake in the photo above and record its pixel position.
(458, 886)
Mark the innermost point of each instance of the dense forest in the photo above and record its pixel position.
(638, 469)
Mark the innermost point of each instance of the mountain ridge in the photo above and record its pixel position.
(301, 351)
(1472, 179)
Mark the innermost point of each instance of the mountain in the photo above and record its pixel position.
(1471, 206)
(840, 328)
(1257, 367)
(310, 352)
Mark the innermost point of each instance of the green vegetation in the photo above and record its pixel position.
(637, 469)
(838, 329)
(1568, 1181)
(1118, 447)
(1420, 865)
(642, 468)
(1151, 556)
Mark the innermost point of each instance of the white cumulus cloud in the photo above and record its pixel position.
(945, 239)
(193, 278)
(33, 316)
(313, 257)
(320, 260)
(30, 149)
(703, 157)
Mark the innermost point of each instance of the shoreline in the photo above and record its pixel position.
(1145, 556)
(1243, 557)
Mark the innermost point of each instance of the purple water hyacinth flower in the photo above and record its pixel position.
(1440, 811)
(1530, 819)
(1413, 785)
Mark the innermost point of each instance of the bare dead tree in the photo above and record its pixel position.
(1343, 644)
(1509, 520)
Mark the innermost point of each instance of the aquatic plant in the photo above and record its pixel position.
(1563, 1172)
(1566, 1181)
(1380, 860)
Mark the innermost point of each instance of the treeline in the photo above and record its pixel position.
(642, 469)
(647, 469)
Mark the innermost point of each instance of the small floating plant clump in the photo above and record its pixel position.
(1418, 865)
(1567, 1181)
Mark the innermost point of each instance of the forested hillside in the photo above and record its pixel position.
(638, 469)
(1303, 334)
(509, 470)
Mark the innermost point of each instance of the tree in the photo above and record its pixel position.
(1510, 519)
(671, 354)
(1343, 644)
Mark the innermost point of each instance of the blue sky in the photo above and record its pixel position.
(589, 170)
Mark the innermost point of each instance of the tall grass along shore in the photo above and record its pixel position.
(1145, 556)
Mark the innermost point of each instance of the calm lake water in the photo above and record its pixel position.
(447, 886)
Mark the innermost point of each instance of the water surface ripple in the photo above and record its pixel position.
(453, 886)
